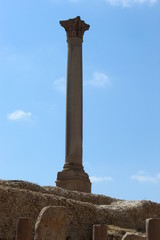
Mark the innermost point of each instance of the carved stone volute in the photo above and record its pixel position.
(75, 27)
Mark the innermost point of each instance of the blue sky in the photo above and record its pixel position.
(121, 93)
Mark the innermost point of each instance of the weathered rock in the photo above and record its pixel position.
(24, 229)
(99, 232)
(74, 195)
(28, 201)
(133, 236)
(116, 237)
(116, 233)
(51, 224)
(153, 229)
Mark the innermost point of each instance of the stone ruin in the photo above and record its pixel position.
(51, 224)
(29, 211)
(76, 212)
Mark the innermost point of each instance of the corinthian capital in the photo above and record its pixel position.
(75, 27)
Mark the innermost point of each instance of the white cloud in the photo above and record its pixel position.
(19, 115)
(142, 177)
(100, 179)
(130, 3)
(99, 80)
(60, 85)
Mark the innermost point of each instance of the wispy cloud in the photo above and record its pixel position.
(142, 177)
(99, 80)
(62, 1)
(130, 3)
(123, 3)
(60, 84)
(95, 179)
(19, 115)
(73, 1)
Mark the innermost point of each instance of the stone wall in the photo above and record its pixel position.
(23, 199)
(74, 195)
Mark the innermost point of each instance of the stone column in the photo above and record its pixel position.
(152, 229)
(24, 229)
(99, 232)
(73, 176)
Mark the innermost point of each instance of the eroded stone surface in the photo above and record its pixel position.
(153, 229)
(133, 236)
(24, 229)
(51, 224)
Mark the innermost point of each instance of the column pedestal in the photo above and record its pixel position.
(74, 180)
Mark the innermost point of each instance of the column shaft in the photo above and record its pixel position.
(73, 158)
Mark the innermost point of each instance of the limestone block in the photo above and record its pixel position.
(133, 236)
(24, 229)
(51, 224)
(99, 232)
(153, 229)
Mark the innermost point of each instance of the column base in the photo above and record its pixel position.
(72, 179)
